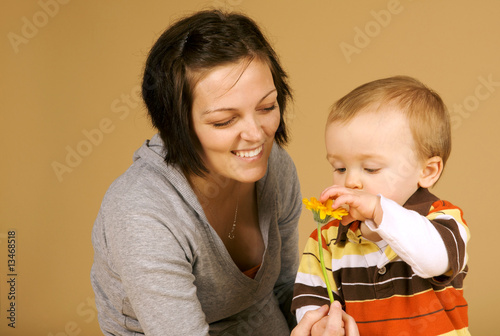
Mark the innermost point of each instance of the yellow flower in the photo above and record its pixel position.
(323, 212)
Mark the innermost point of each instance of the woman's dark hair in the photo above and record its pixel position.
(195, 44)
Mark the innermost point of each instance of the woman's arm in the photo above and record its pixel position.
(289, 210)
(156, 274)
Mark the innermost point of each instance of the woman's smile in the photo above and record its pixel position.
(251, 154)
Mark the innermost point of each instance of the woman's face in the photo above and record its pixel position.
(235, 115)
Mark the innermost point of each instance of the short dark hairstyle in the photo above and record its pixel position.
(195, 44)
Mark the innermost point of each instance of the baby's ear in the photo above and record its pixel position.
(431, 172)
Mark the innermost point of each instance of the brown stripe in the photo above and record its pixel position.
(421, 201)
(313, 295)
(302, 301)
(450, 233)
(368, 284)
(314, 290)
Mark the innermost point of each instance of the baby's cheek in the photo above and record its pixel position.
(338, 180)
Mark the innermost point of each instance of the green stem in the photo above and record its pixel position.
(323, 268)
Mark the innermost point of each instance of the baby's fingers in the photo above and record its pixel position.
(332, 192)
(350, 199)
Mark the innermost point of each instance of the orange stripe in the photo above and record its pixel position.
(314, 234)
(428, 313)
(445, 205)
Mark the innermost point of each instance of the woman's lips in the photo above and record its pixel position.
(249, 153)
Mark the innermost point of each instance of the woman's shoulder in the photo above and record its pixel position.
(282, 180)
(146, 201)
(148, 186)
(148, 178)
(138, 180)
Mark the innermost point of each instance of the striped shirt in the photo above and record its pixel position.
(396, 286)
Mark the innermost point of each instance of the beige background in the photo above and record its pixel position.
(71, 118)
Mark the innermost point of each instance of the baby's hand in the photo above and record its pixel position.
(362, 205)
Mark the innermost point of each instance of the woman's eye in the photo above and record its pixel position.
(270, 108)
(339, 170)
(222, 124)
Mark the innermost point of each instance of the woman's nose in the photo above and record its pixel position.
(252, 130)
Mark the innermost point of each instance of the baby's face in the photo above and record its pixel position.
(375, 151)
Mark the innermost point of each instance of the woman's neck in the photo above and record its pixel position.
(212, 189)
(231, 210)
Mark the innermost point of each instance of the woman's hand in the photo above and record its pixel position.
(326, 322)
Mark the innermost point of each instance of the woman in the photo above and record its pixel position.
(199, 236)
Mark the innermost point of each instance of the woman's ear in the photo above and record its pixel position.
(431, 172)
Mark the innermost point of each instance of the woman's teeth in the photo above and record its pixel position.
(248, 154)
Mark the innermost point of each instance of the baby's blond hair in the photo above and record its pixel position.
(427, 115)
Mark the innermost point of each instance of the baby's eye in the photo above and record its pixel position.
(339, 170)
(372, 170)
